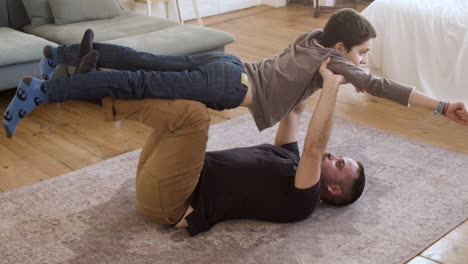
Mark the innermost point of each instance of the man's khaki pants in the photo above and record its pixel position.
(172, 158)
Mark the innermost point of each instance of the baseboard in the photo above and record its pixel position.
(274, 3)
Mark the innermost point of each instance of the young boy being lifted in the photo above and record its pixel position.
(271, 88)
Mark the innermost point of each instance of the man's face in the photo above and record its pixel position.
(358, 54)
(337, 169)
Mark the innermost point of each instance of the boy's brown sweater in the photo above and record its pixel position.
(281, 83)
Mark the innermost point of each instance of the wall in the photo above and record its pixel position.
(312, 2)
(206, 7)
(326, 2)
(274, 3)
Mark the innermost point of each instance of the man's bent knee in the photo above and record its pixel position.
(195, 110)
(194, 114)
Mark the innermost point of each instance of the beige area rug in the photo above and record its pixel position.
(415, 193)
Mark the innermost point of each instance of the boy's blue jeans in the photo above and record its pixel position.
(212, 78)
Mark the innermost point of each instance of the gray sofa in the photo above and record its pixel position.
(21, 45)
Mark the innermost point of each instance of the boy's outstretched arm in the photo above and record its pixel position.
(394, 91)
(456, 111)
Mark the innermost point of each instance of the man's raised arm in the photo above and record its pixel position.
(308, 171)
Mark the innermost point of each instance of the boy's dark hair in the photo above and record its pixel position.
(349, 27)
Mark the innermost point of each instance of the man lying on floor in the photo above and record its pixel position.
(177, 183)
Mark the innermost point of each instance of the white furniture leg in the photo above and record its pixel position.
(167, 9)
(148, 7)
(181, 19)
(178, 12)
(197, 14)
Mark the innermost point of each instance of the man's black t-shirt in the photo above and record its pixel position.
(254, 182)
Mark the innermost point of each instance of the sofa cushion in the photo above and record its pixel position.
(72, 11)
(16, 14)
(123, 26)
(10, 75)
(17, 47)
(179, 40)
(38, 12)
(3, 14)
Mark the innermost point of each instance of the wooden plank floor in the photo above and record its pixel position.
(60, 138)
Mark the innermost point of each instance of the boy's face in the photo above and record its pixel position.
(358, 54)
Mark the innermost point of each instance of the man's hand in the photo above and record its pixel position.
(329, 78)
(457, 112)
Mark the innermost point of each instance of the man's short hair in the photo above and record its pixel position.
(349, 27)
(354, 193)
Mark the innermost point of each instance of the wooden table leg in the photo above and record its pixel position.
(317, 9)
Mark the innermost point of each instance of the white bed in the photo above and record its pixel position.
(422, 43)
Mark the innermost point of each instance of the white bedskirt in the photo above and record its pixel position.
(422, 43)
